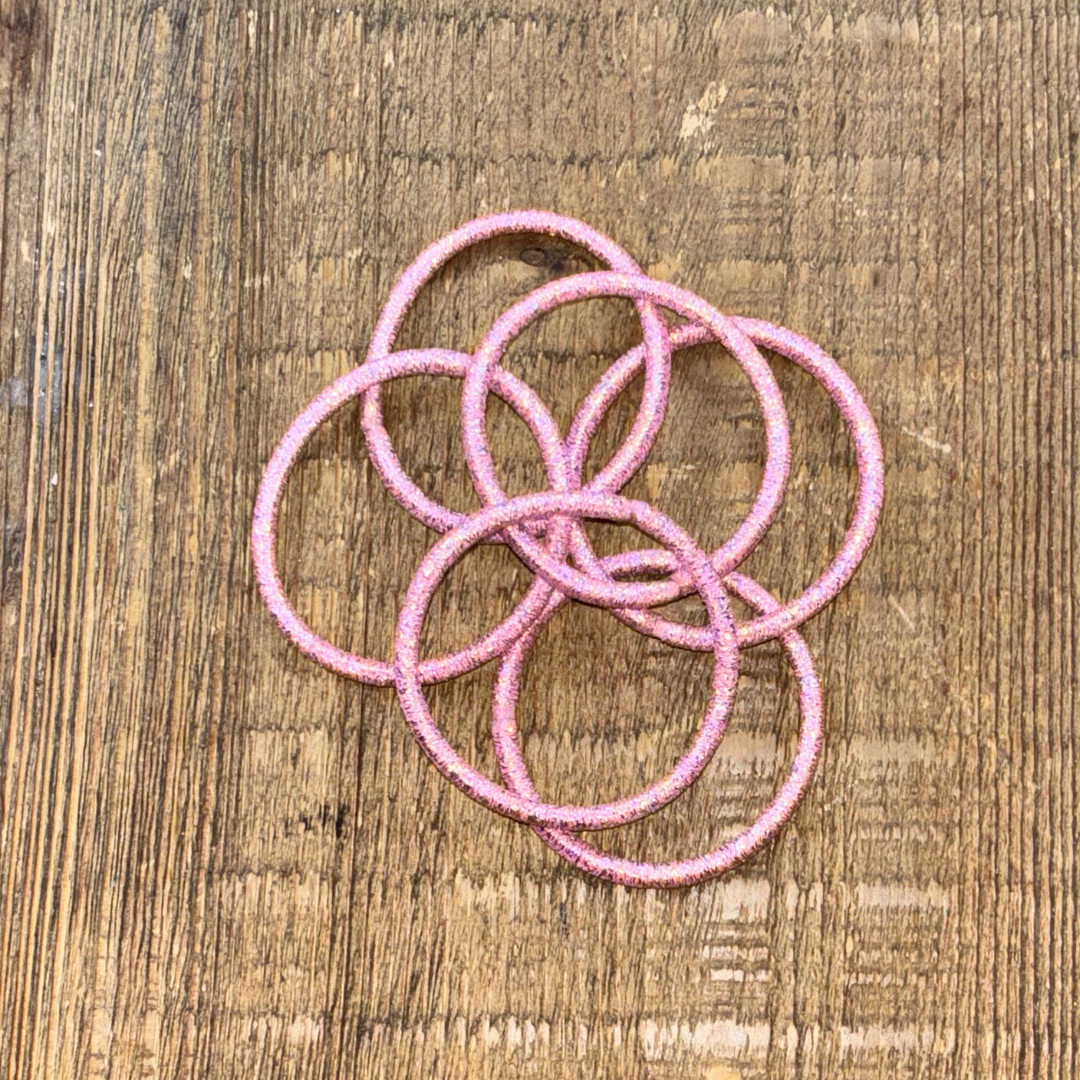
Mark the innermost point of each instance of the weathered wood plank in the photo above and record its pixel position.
(217, 860)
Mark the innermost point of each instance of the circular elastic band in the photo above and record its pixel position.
(656, 354)
(484, 523)
(871, 484)
(690, 871)
(264, 528)
(684, 303)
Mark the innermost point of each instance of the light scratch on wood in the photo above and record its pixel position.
(896, 606)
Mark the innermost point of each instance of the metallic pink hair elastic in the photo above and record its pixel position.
(571, 583)
(682, 302)
(685, 871)
(264, 528)
(772, 621)
(656, 352)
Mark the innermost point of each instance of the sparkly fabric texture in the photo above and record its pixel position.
(545, 531)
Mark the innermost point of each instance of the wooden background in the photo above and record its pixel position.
(217, 860)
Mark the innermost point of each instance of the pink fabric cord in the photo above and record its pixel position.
(545, 531)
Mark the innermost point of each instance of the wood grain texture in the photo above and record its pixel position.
(217, 860)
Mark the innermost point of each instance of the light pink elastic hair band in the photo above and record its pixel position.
(682, 302)
(860, 531)
(655, 355)
(488, 521)
(272, 487)
(689, 871)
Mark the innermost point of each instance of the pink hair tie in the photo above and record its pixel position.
(772, 621)
(656, 352)
(682, 302)
(685, 871)
(484, 523)
(276, 475)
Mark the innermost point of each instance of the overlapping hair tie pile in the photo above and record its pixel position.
(545, 531)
